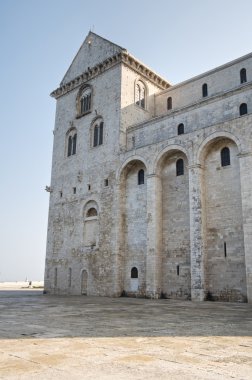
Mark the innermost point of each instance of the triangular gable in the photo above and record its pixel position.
(94, 50)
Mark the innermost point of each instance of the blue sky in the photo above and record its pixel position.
(38, 39)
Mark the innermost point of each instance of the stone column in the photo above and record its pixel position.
(196, 233)
(246, 196)
(154, 236)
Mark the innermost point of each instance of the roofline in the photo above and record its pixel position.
(209, 72)
(105, 39)
(121, 57)
(86, 38)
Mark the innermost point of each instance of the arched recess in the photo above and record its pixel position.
(175, 251)
(91, 224)
(133, 225)
(224, 257)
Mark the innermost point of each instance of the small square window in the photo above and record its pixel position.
(74, 190)
(106, 182)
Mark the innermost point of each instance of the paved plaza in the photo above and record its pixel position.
(48, 337)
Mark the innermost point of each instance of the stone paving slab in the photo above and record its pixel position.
(49, 337)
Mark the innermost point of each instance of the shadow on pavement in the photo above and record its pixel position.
(27, 313)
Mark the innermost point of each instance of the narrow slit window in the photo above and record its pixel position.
(225, 157)
(225, 249)
(243, 75)
(169, 103)
(177, 270)
(141, 177)
(204, 90)
(180, 167)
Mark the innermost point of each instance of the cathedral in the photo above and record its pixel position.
(151, 184)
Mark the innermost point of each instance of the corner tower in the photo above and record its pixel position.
(79, 256)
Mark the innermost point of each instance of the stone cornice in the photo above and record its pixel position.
(122, 57)
(144, 71)
(192, 106)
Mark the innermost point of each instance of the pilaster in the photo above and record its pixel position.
(196, 233)
(154, 236)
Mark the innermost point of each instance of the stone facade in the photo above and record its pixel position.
(138, 206)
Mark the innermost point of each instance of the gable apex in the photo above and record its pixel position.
(94, 50)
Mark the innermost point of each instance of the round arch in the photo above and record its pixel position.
(143, 85)
(212, 138)
(90, 204)
(164, 152)
(129, 162)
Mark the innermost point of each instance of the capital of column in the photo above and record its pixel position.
(195, 166)
(152, 175)
(244, 154)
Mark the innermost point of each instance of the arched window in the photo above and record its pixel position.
(84, 99)
(71, 141)
(98, 133)
(180, 167)
(204, 90)
(74, 143)
(169, 103)
(69, 146)
(140, 94)
(91, 212)
(243, 75)
(141, 177)
(225, 156)
(134, 272)
(243, 109)
(181, 129)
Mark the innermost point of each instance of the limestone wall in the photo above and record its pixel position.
(86, 171)
(171, 228)
(223, 79)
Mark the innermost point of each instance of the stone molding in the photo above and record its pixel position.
(244, 154)
(194, 166)
(192, 106)
(92, 72)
